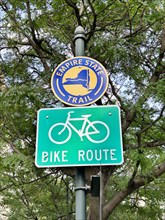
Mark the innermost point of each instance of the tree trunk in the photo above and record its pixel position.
(94, 207)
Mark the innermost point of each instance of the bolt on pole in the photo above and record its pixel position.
(79, 39)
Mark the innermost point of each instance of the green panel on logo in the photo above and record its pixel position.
(82, 136)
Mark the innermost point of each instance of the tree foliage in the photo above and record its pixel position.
(128, 38)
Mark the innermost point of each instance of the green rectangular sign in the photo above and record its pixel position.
(81, 136)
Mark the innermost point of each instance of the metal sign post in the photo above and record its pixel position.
(80, 173)
(81, 136)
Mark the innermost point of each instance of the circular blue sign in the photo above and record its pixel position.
(79, 81)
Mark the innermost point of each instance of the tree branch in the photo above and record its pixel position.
(34, 42)
(130, 115)
(73, 5)
(160, 67)
(116, 95)
(152, 123)
(93, 26)
(137, 183)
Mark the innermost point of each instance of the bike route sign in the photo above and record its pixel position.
(83, 136)
(79, 81)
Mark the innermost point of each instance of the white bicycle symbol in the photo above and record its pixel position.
(96, 131)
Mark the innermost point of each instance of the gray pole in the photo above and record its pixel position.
(101, 195)
(80, 194)
(79, 37)
(80, 174)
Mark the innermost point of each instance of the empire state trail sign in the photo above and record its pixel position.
(79, 81)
